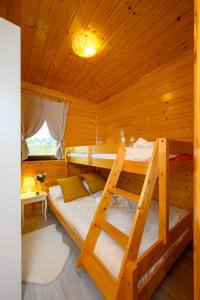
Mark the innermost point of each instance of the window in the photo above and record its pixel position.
(42, 143)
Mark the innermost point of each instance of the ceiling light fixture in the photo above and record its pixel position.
(85, 45)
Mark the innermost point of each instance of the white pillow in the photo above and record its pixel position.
(142, 143)
(55, 192)
(86, 185)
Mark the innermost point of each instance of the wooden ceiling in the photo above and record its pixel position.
(136, 37)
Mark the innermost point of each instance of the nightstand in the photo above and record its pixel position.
(27, 198)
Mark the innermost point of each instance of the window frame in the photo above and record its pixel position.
(41, 156)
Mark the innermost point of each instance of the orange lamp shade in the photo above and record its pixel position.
(85, 45)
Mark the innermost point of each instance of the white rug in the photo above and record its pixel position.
(44, 255)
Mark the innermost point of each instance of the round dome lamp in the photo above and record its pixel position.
(84, 45)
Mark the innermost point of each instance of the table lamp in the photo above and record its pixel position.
(29, 183)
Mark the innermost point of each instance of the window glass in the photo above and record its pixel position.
(42, 143)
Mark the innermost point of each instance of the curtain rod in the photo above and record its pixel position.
(48, 97)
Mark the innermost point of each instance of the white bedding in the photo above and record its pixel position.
(79, 213)
(132, 154)
(140, 151)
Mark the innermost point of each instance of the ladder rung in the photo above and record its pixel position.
(125, 194)
(113, 231)
(135, 167)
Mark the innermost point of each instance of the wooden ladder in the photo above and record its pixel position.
(110, 286)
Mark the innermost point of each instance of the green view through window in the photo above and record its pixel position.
(42, 143)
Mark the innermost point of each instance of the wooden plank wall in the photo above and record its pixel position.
(53, 168)
(160, 104)
(81, 124)
(123, 28)
(180, 184)
(197, 155)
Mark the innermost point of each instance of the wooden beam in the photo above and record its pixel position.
(125, 194)
(26, 86)
(66, 163)
(163, 189)
(78, 160)
(129, 283)
(89, 155)
(113, 231)
(78, 149)
(135, 167)
(197, 155)
(105, 148)
(101, 276)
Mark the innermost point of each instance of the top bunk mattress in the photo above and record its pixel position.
(132, 154)
(80, 212)
(140, 151)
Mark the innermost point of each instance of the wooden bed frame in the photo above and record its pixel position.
(170, 244)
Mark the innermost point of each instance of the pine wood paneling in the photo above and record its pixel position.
(160, 104)
(81, 124)
(79, 169)
(197, 155)
(54, 169)
(135, 37)
(180, 184)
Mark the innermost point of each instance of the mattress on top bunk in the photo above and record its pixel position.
(80, 212)
(132, 154)
(142, 155)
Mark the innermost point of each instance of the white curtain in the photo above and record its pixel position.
(56, 115)
(32, 117)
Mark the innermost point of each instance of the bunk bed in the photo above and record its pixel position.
(139, 273)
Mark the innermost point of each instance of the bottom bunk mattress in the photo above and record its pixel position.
(80, 212)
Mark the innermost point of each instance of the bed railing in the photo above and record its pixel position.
(156, 168)
(83, 155)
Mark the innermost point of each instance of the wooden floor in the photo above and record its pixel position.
(75, 284)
